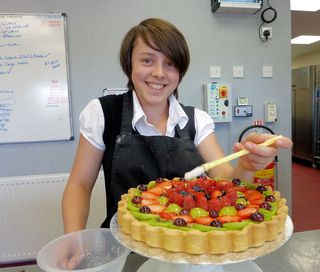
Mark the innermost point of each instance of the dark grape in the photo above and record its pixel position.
(236, 181)
(180, 222)
(239, 207)
(257, 217)
(270, 198)
(143, 187)
(136, 199)
(261, 188)
(158, 180)
(145, 209)
(184, 212)
(213, 213)
(197, 188)
(266, 205)
(216, 223)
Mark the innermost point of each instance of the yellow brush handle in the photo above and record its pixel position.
(209, 165)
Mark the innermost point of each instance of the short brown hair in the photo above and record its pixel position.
(160, 35)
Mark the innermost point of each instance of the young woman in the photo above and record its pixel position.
(146, 134)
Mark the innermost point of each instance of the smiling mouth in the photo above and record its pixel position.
(156, 86)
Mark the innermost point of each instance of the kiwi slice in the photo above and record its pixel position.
(205, 228)
(267, 215)
(144, 216)
(151, 184)
(159, 223)
(236, 225)
(274, 207)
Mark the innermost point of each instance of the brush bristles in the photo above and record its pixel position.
(196, 172)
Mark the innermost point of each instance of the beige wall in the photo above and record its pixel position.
(307, 59)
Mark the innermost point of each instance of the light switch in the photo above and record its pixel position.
(238, 71)
(267, 71)
(215, 71)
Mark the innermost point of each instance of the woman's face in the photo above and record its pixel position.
(154, 76)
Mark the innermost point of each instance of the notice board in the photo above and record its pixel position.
(34, 89)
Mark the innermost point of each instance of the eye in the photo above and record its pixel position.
(147, 61)
(171, 65)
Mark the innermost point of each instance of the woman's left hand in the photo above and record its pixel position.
(260, 156)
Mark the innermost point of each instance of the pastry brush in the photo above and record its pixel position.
(199, 170)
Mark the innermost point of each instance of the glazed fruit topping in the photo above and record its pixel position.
(180, 222)
(239, 206)
(236, 181)
(145, 209)
(216, 223)
(257, 217)
(270, 198)
(136, 199)
(266, 205)
(221, 203)
(143, 187)
(261, 188)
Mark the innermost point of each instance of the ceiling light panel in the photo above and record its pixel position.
(305, 39)
(305, 5)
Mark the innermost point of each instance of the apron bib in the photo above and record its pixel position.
(139, 159)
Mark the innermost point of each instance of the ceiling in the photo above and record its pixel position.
(307, 23)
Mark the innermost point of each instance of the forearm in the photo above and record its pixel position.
(75, 207)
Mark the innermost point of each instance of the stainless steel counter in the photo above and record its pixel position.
(300, 254)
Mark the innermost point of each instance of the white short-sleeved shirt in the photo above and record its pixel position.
(92, 122)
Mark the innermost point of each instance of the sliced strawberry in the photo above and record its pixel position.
(164, 184)
(224, 185)
(204, 220)
(148, 195)
(252, 206)
(237, 188)
(214, 204)
(156, 208)
(188, 218)
(228, 219)
(146, 202)
(176, 198)
(167, 215)
(202, 202)
(216, 193)
(189, 202)
(246, 212)
(157, 191)
(256, 202)
(232, 196)
(253, 195)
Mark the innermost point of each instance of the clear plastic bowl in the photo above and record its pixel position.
(92, 250)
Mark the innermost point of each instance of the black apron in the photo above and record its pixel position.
(138, 159)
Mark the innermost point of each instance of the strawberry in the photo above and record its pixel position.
(216, 193)
(202, 202)
(246, 212)
(167, 215)
(156, 208)
(253, 195)
(224, 185)
(176, 198)
(157, 191)
(228, 219)
(204, 220)
(214, 204)
(148, 195)
(164, 184)
(232, 196)
(146, 202)
(188, 218)
(189, 203)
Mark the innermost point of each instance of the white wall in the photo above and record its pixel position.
(95, 30)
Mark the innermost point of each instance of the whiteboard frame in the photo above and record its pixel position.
(64, 16)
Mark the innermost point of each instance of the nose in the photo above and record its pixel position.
(158, 70)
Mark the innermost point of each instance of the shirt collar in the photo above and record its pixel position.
(176, 113)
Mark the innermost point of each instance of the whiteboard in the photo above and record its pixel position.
(34, 89)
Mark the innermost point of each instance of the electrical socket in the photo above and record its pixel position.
(266, 28)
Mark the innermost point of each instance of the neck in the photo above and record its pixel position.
(158, 116)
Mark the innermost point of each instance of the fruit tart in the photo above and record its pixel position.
(202, 215)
